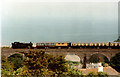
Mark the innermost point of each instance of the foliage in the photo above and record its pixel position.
(99, 74)
(4, 59)
(95, 58)
(21, 71)
(91, 74)
(38, 63)
(57, 64)
(118, 40)
(6, 67)
(73, 63)
(75, 72)
(17, 60)
(105, 64)
(115, 62)
(102, 74)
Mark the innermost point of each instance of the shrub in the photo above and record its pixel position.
(91, 74)
(40, 63)
(6, 67)
(98, 74)
(102, 74)
(17, 60)
(115, 62)
(4, 59)
(57, 64)
(75, 72)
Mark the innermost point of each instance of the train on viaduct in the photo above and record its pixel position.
(59, 45)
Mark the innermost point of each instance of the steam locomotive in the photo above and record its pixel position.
(44, 45)
(16, 45)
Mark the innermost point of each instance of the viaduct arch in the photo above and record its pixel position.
(79, 52)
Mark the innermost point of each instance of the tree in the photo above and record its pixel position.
(36, 62)
(91, 74)
(57, 64)
(75, 73)
(39, 63)
(17, 60)
(97, 74)
(115, 62)
(6, 67)
(102, 74)
(118, 40)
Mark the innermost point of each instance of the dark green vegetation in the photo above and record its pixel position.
(73, 63)
(39, 63)
(6, 67)
(118, 40)
(115, 62)
(98, 74)
(17, 60)
(95, 58)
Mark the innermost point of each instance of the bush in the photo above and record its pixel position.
(6, 67)
(98, 74)
(22, 71)
(57, 64)
(105, 64)
(73, 63)
(17, 60)
(4, 59)
(102, 74)
(74, 72)
(91, 74)
(40, 63)
(115, 62)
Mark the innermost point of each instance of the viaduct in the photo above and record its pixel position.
(79, 52)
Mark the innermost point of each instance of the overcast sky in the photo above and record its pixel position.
(59, 21)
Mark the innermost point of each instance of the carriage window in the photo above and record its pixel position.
(95, 44)
(78, 44)
(52, 43)
(86, 44)
(115, 44)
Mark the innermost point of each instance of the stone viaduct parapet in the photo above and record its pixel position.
(79, 52)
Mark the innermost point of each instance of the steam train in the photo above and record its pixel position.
(45, 45)
(16, 45)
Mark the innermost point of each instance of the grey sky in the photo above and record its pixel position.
(59, 21)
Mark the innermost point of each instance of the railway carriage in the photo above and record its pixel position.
(74, 45)
(46, 45)
(63, 44)
(91, 45)
(115, 45)
(53, 45)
